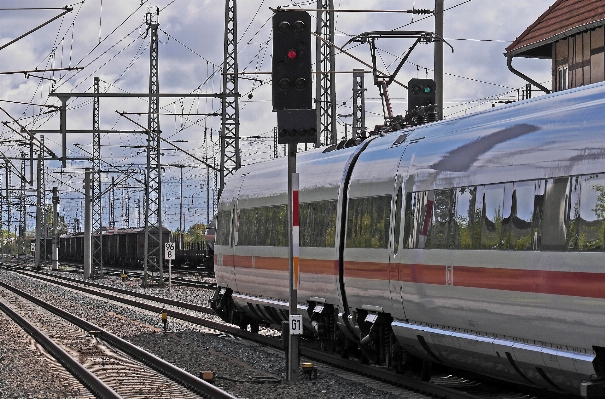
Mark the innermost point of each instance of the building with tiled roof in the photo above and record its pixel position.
(572, 34)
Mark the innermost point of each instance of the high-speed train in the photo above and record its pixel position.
(476, 242)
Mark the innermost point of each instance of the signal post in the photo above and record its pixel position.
(296, 123)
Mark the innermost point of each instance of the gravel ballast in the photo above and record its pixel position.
(238, 364)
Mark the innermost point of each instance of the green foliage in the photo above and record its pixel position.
(195, 233)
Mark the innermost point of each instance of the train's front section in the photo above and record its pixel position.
(251, 250)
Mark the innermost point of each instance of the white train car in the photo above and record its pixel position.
(476, 242)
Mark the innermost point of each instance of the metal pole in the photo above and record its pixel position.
(38, 209)
(55, 249)
(63, 127)
(170, 268)
(87, 226)
(7, 169)
(293, 358)
(181, 211)
(439, 57)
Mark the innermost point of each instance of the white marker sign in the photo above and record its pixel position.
(296, 326)
(169, 252)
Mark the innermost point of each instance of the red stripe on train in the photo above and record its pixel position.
(580, 284)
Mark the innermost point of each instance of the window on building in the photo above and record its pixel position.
(562, 74)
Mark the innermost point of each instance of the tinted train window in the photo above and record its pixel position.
(246, 234)
(518, 227)
(586, 209)
(223, 228)
(263, 226)
(397, 227)
(441, 228)
(490, 201)
(560, 214)
(317, 224)
(464, 218)
(418, 214)
(553, 224)
(368, 222)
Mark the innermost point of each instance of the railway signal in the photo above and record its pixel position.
(421, 92)
(291, 74)
(291, 69)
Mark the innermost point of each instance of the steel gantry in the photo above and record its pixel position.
(325, 84)
(153, 178)
(230, 154)
(97, 222)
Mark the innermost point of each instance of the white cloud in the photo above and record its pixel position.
(189, 57)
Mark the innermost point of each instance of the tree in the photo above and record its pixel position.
(196, 232)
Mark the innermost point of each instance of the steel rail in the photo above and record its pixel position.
(167, 301)
(319, 355)
(382, 374)
(192, 382)
(82, 374)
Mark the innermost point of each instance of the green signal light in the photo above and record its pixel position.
(427, 90)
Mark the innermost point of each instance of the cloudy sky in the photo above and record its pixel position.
(108, 39)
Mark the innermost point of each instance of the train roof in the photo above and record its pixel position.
(559, 134)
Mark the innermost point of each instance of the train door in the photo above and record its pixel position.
(401, 214)
(397, 225)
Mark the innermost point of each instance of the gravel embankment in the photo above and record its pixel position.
(236, 362)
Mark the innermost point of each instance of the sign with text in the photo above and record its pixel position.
(296, 325)
(169, 251)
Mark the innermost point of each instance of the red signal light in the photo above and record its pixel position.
(292, 54)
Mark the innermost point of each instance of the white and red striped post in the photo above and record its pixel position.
(295, 229)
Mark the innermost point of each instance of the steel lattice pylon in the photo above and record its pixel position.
(230, 155)
(325, 89)
(153, 178)
(97, 222)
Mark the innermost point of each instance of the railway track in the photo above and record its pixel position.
(117, 370)
(181, 277)
(445, 384)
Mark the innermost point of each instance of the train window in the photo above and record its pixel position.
(275, 226)
(223, 227)
(247, 227)
(318, 224)
(368, 222)
(554, 230)
(441, 228)
(263, 226)
(590, 210)
(464, 215)
(492, 203)
(573, 214)
(397, 227)
(408, 221)
(418, 218)
(518, 227)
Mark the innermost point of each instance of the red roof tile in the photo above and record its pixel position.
(562, 16)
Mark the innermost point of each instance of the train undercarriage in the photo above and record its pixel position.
(363, 335)
(374, 337)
